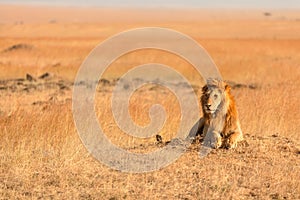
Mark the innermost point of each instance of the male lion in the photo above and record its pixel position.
(219, 125)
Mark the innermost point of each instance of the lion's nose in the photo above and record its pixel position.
(208, 106)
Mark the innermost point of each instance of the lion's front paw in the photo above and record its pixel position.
(231, 141)
(213, 140)
(218, 142)
(230, 144)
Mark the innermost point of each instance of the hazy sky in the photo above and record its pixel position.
(169, 3)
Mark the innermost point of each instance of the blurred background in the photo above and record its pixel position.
(249, 4)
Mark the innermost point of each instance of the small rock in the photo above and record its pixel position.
(158, 138)
(45, 75)
(29, 77)
(104, 81)
(17, 47)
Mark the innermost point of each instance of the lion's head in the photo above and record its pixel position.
(214, 96)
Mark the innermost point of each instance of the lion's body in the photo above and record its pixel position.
(220, 125)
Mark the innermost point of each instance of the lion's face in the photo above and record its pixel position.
(211, 99)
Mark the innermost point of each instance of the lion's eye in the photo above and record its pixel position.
(215, 96)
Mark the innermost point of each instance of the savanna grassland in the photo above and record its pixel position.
(42, 157)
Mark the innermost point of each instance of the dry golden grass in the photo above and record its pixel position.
(41, 155)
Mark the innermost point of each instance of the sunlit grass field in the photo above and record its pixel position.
(41, 155)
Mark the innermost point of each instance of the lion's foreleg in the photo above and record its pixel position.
(212, 139)
(233, 139)
(197, 129)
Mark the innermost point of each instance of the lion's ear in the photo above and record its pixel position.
(204, 89)
(227, 88)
